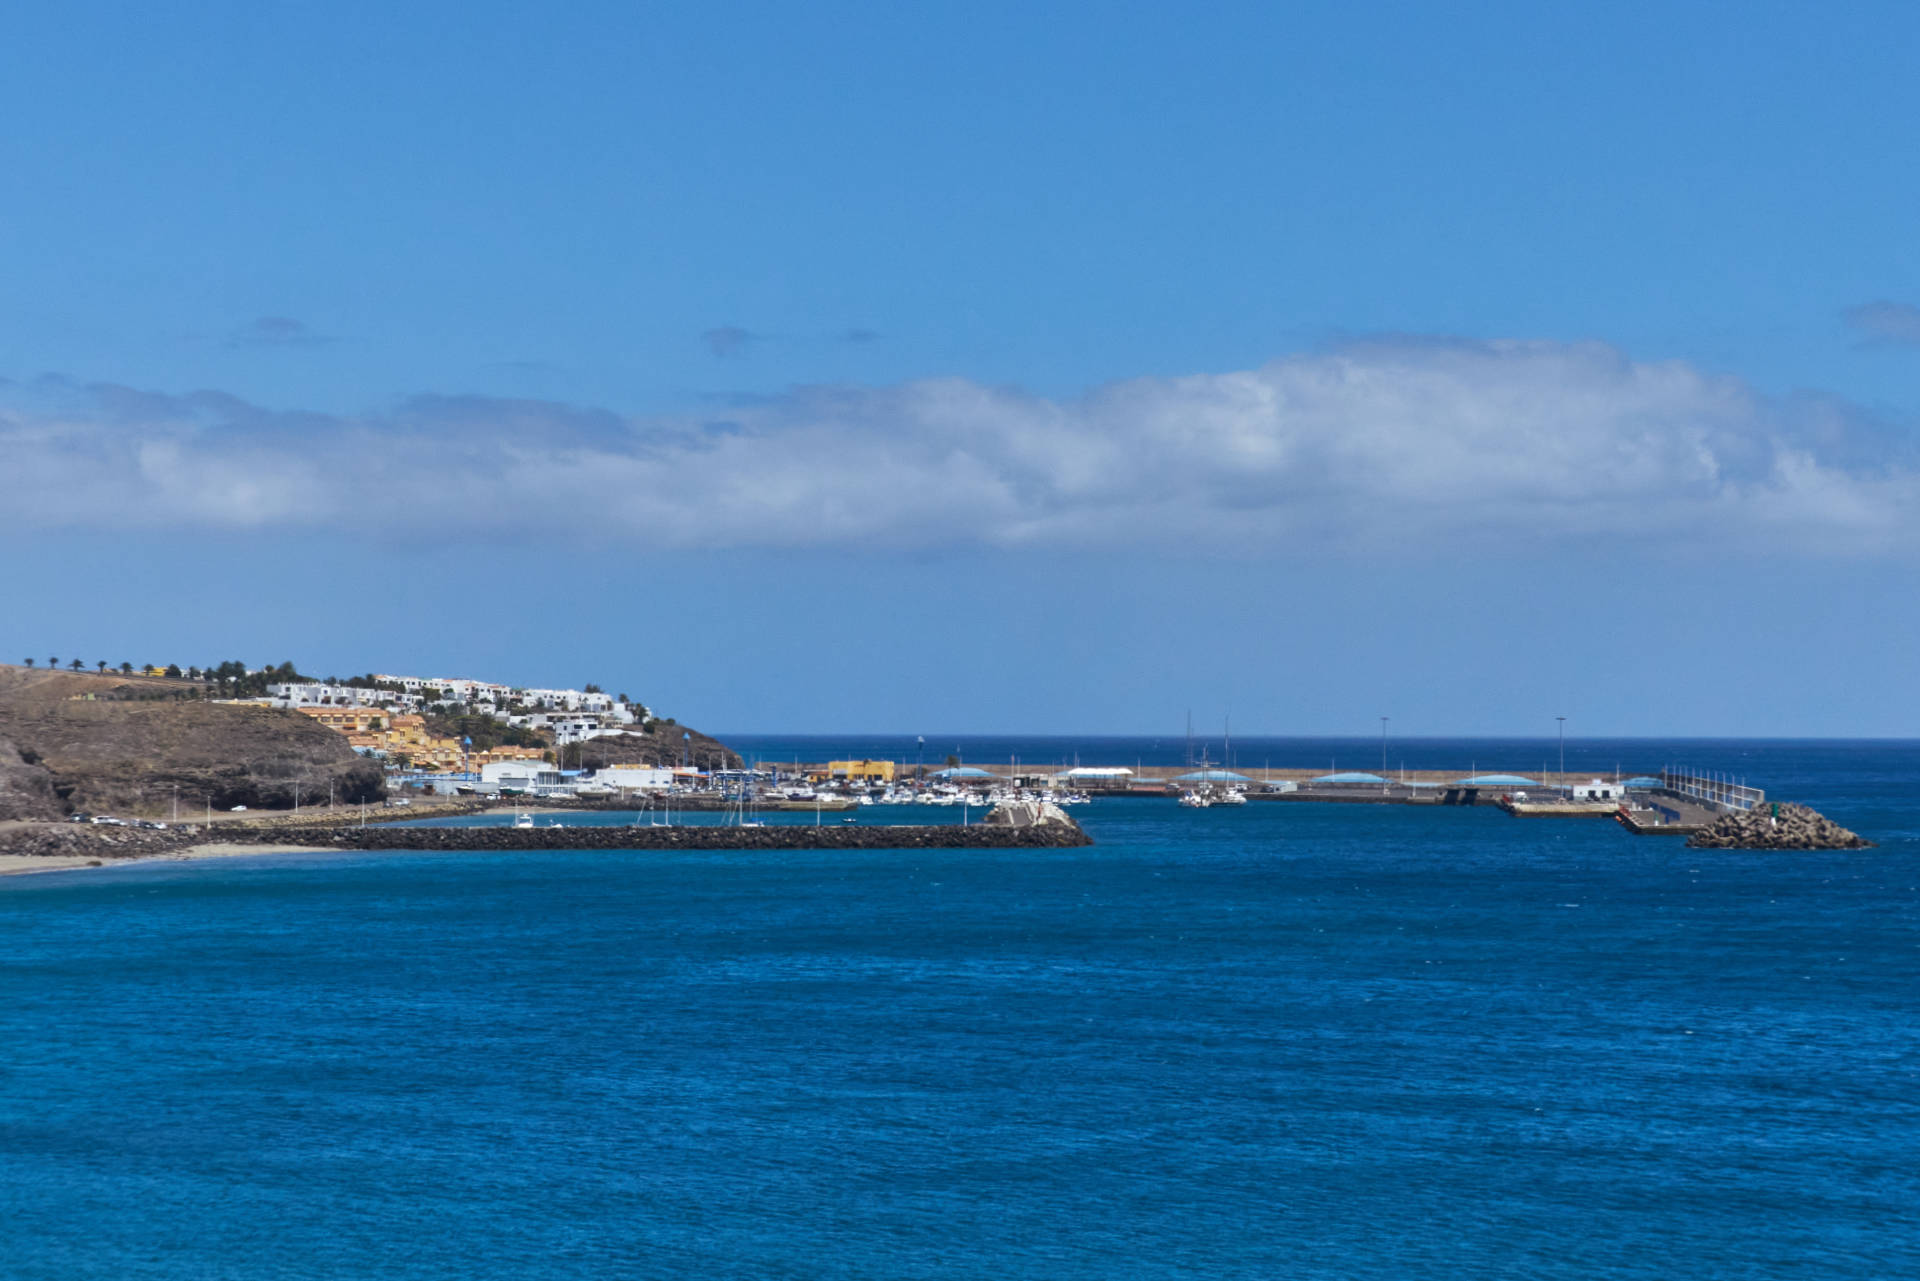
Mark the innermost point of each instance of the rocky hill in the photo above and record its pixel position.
(661, 744)
(100, 743)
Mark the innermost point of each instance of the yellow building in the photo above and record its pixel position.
(408, 737)
(349, 720)
(861, 771)
(494, 755)
(405, 734)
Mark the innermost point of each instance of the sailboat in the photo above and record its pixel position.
(743, 801)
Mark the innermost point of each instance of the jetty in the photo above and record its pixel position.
(1012, 825)
(794, 836)
(1776, 827)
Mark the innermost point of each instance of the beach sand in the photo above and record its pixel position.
(23, 864)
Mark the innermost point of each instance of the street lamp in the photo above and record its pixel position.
(1563, 748)
(1383, 745)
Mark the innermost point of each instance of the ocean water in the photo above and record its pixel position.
(1276, 1041)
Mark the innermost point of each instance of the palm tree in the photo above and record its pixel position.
(102, 665)
(126, 669)
(76, 664)
(53, 662)
(29, 662)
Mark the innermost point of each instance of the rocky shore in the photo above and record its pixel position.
(1795, 828)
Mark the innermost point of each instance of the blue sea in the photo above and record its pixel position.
(1283, 1040)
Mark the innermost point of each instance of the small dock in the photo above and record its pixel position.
(1666, 815)
(1551, 807)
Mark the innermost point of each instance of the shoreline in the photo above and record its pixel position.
(33, 864)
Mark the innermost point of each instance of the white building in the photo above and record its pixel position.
(1599, 790)
(318, 695)
(635, 778)
(520, 776)
(1095, 776)
(462, 690)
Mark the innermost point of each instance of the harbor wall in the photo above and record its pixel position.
(787, 837)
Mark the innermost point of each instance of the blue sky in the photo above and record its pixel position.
(980, 368)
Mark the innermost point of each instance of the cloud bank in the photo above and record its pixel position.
(1404, 446)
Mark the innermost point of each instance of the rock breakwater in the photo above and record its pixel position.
(83, 840)
(1794, 827)
(791, 837)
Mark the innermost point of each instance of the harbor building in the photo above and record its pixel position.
(861, 771)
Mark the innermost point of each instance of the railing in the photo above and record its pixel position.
(1709, 788)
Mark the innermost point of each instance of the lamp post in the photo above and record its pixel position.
(1563, 748)
(1383, 745)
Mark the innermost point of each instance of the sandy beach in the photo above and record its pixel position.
(26, 864)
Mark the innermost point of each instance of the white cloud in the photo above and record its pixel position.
(1410, 446)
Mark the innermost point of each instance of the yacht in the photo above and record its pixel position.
(1195, 800)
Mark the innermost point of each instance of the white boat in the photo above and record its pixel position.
(523, 819)
(1229, 796)
(1195, 800)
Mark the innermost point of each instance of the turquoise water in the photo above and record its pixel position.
(1281, 1040)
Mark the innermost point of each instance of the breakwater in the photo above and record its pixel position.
(790, 837)
(1776, 827)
